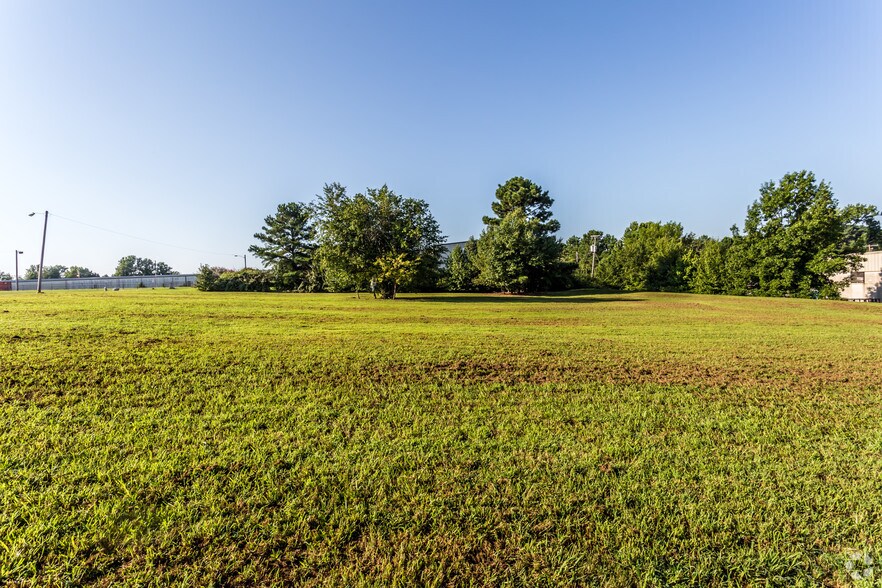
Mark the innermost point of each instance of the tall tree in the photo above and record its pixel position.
(707, 271)
(515, 257)
(517, 251)
(131, 265)
(164, 269)
(862, 227)
(76, 271)
(49, 272)
(377, 238)
(126, 266)
(144, 266)
(796, 238)
(522, 194)
(650, 256)
(460, 271)
(287, 239)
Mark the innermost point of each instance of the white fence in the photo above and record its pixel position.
(175, 281)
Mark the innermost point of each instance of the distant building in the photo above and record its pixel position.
(866, 282)
(175, 281)
(449, 247)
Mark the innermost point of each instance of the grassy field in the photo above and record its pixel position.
(171, 437)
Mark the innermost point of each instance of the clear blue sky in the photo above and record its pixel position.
(188, 122)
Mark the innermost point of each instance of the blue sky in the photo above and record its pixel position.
(186, 123)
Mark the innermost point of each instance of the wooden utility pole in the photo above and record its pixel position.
(42, 253)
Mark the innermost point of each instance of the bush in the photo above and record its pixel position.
(245, 280)
(207, 277)
(219, 279)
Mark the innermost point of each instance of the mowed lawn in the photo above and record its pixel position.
(171, 437)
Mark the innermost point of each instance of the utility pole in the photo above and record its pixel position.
(17, 252)
(42, 252)
(593, 253)
(243, 256)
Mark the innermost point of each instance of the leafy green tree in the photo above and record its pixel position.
(245, 280)
(126, 266)
(506, 254)
(341, 220)
(377, 238)
(461, 272)
(707, 271)
(164, 269)
(76, 271)
(862, 227)
(521, 194)
(287, 245)
(145, 267)
(49, 272)
(207, 277)
(517, 251)
(796, 238)
(131, 265)
(650, 256)
(395, 271)
(514, 255)
(5, 276)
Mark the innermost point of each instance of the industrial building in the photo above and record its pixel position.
(865, 284)
(174, 281)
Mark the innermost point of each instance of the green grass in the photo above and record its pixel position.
(180, 438)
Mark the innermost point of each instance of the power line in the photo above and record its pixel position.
(138, 238)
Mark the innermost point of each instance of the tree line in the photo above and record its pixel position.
(129, 265)
(794, 240)
(375, 241)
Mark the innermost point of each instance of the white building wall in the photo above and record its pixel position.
(871, 287)
(109, 283)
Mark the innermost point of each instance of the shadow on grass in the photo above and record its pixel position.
(569, 297)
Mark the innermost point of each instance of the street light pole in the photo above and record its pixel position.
(42, 252)
(17, 252)
(243, 256)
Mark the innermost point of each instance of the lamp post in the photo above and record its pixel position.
(42, 252)
(244, 256)
(17, 253)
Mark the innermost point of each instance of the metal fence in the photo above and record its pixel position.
(176, 281)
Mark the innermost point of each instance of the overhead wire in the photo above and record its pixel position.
(139, 238)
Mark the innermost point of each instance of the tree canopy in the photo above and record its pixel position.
(76, 271)
(287, 243)
(376, 238)
(796, 238)
(522, 194)
(517, 251)
(796, 241)
(50, 272)
(131, 265)
(650, 256)
(59, 271)
(461, 272)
